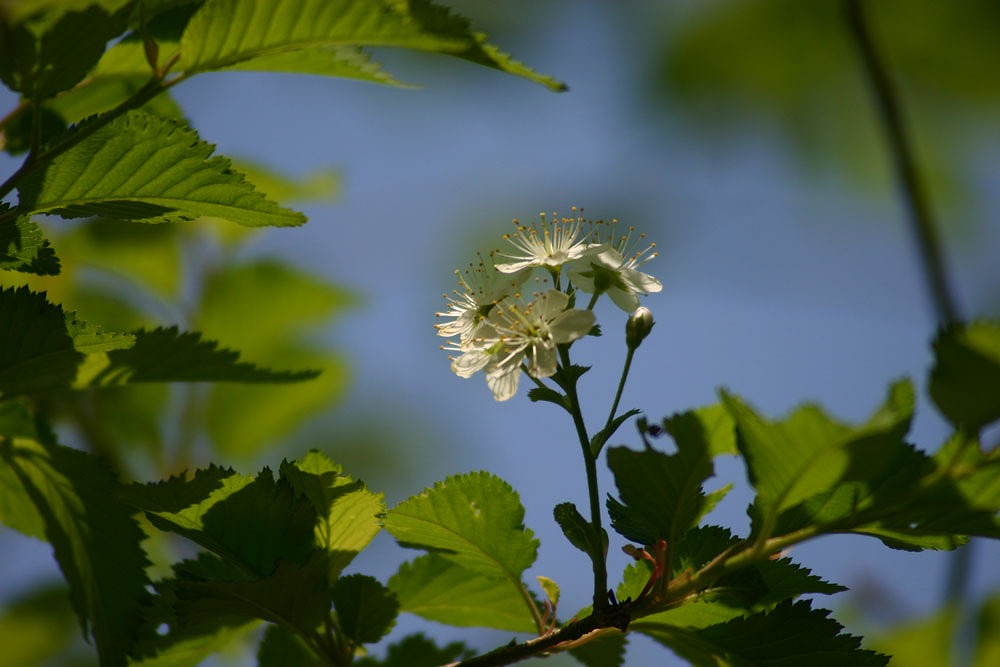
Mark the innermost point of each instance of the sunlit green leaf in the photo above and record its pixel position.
(17, 509)
(965, 380)
(475, 520)
(440, 590)
(94, 538)
(145, 168)
(224, 33)
(366, 610)
(348, 512)
(791, 634)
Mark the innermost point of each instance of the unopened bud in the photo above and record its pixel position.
(639, 324)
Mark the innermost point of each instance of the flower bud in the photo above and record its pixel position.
(639, 324)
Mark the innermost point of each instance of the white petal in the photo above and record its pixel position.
(503, 383)
(514, 267)
(541, 360)
(551, 304)
(624, 299)
(640, 282)
(572, 324)
(470, 361)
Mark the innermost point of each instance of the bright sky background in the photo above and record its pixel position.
(779, 285)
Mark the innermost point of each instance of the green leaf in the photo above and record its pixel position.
(225, 33)
(366, 610)
(475, 520)
(418, 651)
(349, 514)
(809, 453)
(181, 648)
(791, 634)
(93, 535)
(606, 651)
(579, 531)
(17, 509)
(169, 355)
(145, 168)
(601, 437)
(440, 590)
(37, 627)
(23, 248)
(661, 494)
(965, 380)
(53, 51)
(283, 648)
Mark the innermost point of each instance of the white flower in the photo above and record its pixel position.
(482, 288)
(613, 268)
(547, 245)
(517, 334)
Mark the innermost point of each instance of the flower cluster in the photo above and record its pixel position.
(494, 329)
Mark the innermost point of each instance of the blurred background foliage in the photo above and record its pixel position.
(686, 78)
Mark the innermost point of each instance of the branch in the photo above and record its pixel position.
(915, 197)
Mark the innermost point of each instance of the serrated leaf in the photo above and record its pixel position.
(661, 494)
(965, 379)
(475, 520)
(791, 634)
(809, 453)
(366, 610)
(52, 51)
(169, 355)
(17, 509)
(417, 651)
(23, 247)
(226, 33)
(349, 514)
(145, 168)
(601, 437)
(548, 395)
(94, 538)
(440, 590)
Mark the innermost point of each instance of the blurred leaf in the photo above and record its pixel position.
(23, 247)
(921, 643)
(366, 610)
(145, 168)
(791, 634)
(440, 590)
(52, 51)
(418, 651)
(988, 632)
(965, 380)
(349, 513)
(796, 62)
(319, 185)
(224, 33)
(36, 627)
(94, 537)
(475, 520)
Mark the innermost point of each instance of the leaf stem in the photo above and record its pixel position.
(921, 217)
(590, 463)
(621, 387)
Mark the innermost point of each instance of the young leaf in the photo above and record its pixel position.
(349, 514)
(809, 454)
(226, 33)
(94, 538)
(439, 590)
(22, 246)
(791, 634)
(579, 531)
(145, 168)
(169, 355)
(965, 380)
(661, 494)
(366, 610)
(417, 651)
(475, 520)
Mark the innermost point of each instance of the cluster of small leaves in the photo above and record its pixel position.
(105, 147)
